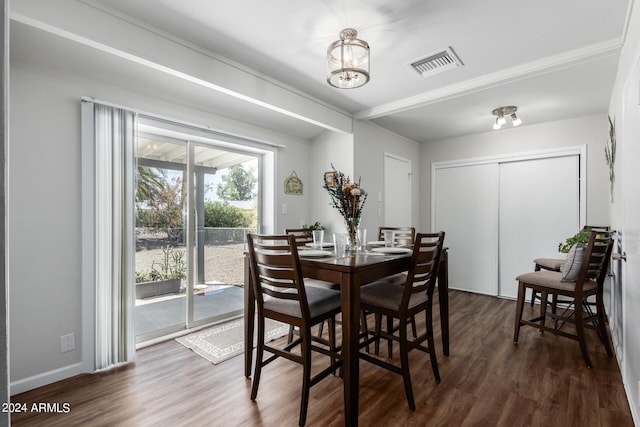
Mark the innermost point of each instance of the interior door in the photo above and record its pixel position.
(465, 207)
(397, 191)
(539, 206)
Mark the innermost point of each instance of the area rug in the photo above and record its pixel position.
(224, 341)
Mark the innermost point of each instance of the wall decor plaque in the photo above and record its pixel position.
(293, 185)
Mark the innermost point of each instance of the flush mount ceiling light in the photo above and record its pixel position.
(502, 112)
(348, 60)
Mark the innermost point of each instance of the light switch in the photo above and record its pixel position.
(379, 196)
(284, 208)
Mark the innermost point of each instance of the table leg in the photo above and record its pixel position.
(350, 289)
(443, 297)
(249, 316)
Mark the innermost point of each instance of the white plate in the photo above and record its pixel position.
(314, 254)
(324, 245)
(393, 250)
(376, 243)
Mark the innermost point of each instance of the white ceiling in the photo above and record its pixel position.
(553, 59)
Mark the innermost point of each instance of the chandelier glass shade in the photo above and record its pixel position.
(348, 60)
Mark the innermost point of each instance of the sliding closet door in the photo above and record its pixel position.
(539, 207)
(501, 213)
(465, 207)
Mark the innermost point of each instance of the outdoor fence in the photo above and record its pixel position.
(206, 235)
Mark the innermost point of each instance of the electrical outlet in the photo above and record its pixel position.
(67, 342)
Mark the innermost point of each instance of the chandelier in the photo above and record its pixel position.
(502, 112)
(348, 60)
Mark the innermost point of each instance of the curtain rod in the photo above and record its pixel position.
(181, 122)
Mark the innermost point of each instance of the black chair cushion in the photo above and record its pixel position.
(397, 279)
(321, 284)
(320, 301)
(388, 295)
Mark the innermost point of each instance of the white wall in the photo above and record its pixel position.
(44, 240)
(624, 209)
(590, 130)
(327, 149)
(371, 143)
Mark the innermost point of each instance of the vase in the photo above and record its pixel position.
(352, 231)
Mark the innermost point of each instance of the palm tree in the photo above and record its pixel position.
(150, 181)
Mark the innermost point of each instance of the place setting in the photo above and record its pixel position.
(388, 246)
(394, 250)
(318, 244)
(314, 253)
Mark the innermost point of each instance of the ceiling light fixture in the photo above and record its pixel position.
(348, 60)
(502, 112)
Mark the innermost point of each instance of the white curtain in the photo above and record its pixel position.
(113, 147)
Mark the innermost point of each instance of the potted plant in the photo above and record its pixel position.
(164, 277)
(581, 237)
(315, 226)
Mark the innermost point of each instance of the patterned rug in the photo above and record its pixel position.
(226, 340)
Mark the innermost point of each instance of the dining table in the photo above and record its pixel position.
(351, 271)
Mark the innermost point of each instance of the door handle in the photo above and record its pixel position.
(618, 257)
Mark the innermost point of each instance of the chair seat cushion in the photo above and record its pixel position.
(553, 264)
(321, 284)
(397, 279)
(388, 295)
(321, 301)
(552, 280)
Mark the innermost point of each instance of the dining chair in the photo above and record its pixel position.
(281, 295)
(554, 264)
(403, 303)
(403, 235)
(581, 276)
(302, 237)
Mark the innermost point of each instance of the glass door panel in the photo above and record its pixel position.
(225, 202)
(161, 255)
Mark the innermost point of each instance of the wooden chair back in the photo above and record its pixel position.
(276, 272)
(302, 235)
(597, 256)
(596, 228)
(403, 235)
(422, 274)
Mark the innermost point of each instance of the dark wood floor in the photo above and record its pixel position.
(486, 381)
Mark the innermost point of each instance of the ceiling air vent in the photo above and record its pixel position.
(436, 63)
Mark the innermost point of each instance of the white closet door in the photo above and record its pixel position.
(465, 207)
(539, 208)
(397, 191)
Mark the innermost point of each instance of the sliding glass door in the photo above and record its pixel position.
(195, 203)
(161, 250)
